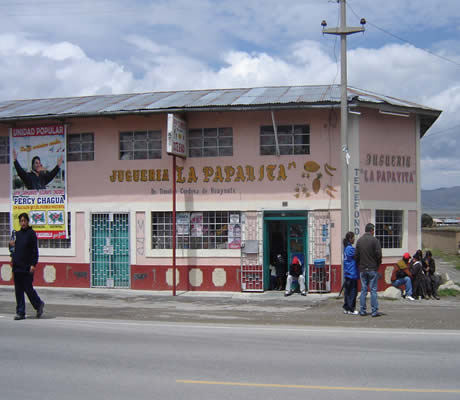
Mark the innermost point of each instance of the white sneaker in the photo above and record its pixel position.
(346, 312)
(353, 312)
(410, 298)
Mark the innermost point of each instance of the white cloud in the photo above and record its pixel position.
(33, 68)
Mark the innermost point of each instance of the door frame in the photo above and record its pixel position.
(293, 216)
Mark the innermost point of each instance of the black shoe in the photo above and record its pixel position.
(40, 309)
(436, 297)
(303, 293)
(287, 294)
(18, 317)
(377, 314)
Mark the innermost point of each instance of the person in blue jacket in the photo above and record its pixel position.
(350, 273)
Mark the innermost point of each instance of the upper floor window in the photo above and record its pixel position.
(4, 149)
(292, 139)
(210, 142)
(80, 147)
(388, 228)
(140, 145)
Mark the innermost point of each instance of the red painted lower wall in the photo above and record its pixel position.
(53, 275)
(188, 278)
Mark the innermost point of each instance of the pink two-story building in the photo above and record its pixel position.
(262, 177)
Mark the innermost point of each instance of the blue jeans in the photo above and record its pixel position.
(406, 282)
(369, 280)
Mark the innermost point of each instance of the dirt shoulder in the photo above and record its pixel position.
(262, 310)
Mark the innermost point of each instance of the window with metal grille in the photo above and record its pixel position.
(201, 230)
(80, 147)
(388, 228)
(5, 232)
(4, 149)
(292, 139)
(140, 145)
(57, 243)
(210, 142)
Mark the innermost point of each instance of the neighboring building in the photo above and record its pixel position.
(265, 162)
(444, 238)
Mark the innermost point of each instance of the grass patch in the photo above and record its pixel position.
(448, 292)
(451, 258)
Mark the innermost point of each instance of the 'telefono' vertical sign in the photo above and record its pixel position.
(176, 143)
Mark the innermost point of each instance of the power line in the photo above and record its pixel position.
(404, 40)
(437, 133)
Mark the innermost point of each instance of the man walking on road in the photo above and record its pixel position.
(24, 259)
(368, 258)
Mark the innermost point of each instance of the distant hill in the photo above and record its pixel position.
(441, 201)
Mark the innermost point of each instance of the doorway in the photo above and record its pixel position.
(285, 233)
(110, 264)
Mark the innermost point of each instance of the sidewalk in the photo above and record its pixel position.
(269, 308)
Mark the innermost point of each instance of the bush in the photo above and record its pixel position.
(427, 221)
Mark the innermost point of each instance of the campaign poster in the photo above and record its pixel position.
(234, 236)
(38, 179)
(183, 224)
(197, 224)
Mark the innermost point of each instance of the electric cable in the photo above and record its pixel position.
(404, 40)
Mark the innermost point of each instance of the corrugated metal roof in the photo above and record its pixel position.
(227, 99)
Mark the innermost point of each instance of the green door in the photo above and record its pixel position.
(285, 232)
(297, 243)
(110, 250)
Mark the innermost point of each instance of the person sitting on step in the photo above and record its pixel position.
(296, 273)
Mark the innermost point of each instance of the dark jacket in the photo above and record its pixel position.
(295, 270)
(25, 250)
(431, 266)
(350, 270)
(368, 253)
(34, 182)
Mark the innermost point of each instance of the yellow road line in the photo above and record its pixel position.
(319, 387)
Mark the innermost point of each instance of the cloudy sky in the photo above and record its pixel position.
(411, 50)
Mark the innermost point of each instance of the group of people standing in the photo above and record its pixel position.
(416, 273)
(361, 262)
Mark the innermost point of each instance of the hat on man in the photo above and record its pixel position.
(296, 260)
(406, 256)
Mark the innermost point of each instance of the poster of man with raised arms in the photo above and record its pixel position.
(38, 179)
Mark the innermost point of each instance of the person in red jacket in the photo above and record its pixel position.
(295, 273)
(402, 276)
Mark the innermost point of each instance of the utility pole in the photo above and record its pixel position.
(344, 31)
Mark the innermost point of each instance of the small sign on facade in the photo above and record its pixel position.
(176, 143)
(108, 250)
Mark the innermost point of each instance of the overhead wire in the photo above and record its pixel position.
(436, 133)
(402, 39)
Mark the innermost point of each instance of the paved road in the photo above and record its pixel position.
(70, 359)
